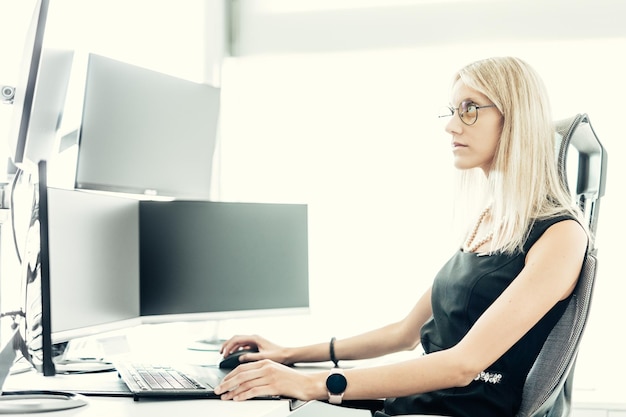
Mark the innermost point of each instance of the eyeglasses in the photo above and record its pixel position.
(467, 111)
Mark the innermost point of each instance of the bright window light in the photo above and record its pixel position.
(300, 6)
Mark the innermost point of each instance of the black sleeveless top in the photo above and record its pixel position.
(462, 290)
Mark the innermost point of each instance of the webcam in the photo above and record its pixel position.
(7, 94)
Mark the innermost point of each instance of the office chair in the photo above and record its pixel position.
(548, 387)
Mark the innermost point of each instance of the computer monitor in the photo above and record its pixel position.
(40, 94)
(94, 263)
(117, 262)
(79, 259)
(35, 272)
(145, 132)
(206, 260)
(108, 262)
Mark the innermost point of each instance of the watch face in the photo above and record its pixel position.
(336, 383)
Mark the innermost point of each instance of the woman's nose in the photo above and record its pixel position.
(453, 125)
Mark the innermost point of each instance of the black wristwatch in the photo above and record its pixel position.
(336, 384)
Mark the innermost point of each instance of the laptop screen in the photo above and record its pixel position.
(7, 355)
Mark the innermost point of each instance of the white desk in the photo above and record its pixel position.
(122, 407)
(153, 347)
(120, 403)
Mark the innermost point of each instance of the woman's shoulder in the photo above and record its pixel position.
(546, 222)
(540, 225)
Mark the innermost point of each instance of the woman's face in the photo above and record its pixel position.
(474, 146)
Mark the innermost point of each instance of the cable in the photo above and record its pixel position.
(18, 173)
(14, 315)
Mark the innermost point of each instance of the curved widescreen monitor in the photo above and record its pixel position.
(202, 259)
(145, 132)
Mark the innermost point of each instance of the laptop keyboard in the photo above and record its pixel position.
(160, 378)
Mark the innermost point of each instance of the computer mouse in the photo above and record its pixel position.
(232, 361)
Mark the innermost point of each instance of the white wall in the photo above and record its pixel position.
(288, 26)
(158, 34)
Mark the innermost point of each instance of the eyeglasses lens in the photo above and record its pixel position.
(468, 112)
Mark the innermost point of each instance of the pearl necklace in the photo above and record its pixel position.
(470, 245)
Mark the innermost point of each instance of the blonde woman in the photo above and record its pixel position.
(493, 304)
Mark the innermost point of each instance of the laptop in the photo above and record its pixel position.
(29, 401)
(7, 356)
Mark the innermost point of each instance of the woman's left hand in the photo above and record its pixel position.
(265, 378)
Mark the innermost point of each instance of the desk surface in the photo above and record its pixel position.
(120, 403)
(122, 407)
(147, 342)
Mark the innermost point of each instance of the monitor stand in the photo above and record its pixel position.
(39, 401)
(212, 342)
(87, 354)
(83, 366)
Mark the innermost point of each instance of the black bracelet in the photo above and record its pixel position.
(332, 352)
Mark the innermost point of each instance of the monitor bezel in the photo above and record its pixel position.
(25, 90)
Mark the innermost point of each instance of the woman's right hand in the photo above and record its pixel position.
(266, 349)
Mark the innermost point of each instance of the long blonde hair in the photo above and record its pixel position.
(523, 183)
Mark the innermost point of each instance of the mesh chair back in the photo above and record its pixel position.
(547, 391)
(548, 387)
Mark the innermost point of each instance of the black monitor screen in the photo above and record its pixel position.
(214, 257)
(145, 132)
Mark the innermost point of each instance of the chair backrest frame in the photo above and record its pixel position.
(548, 388)
(577, 133)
